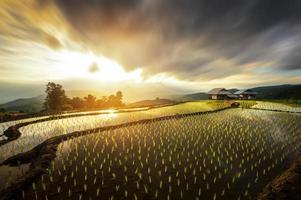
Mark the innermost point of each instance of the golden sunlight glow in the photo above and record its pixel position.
(110, 114)
(76, 64)
(110, 70)
(109, 111)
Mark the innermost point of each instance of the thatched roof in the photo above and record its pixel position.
(221, 91)
(232, 95)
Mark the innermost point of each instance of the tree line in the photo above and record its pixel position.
(57, 100)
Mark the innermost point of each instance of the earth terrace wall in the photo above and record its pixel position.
(274, 110)
(12, 133)
(286, 186)
(40, 157)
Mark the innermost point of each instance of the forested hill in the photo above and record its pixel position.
(279, 92)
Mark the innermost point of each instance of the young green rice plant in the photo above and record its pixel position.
(187, 158)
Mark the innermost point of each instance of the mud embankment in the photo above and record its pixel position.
(41, 156)
(286, 186)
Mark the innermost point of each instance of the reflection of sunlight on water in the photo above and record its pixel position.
(109, 111)
(276, 106)
(134, 109)
(276, 133)
(108, 114)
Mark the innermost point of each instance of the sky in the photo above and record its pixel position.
(147, 48)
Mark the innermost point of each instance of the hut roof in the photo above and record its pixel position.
(232, 95)
(222, 91)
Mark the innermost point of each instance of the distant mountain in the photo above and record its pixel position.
(193, 97)
(264, 92)
(146, 103)
(278, 92)
(233, 90)
(33, 104)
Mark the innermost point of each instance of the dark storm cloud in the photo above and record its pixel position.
(190, 37)
(293, 60)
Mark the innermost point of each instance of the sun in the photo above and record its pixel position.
(111, 70)
(75, 64)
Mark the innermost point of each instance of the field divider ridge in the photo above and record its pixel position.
(40, 157)
(12, 133)
(275, 110)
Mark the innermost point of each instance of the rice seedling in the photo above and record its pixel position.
(36, 133)
(227, 155)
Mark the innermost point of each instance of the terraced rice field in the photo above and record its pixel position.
(276, 106)
(36, 133)
(231, 154)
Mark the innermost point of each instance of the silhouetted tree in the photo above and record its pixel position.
(111, 100)
(101, 103)
(119, 97)
(90, 101)
(56, 98)
(77, 103)
(115, 100)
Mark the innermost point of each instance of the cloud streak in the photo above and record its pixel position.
(194, 41)
(190, 38)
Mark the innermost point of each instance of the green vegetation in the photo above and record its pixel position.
(190, 107)
(246, 103)
(227, 155)
(230, 154)
(278, 92)
(289, 102)
(36, 133)
(56, 100)
(267, 105)
(220, 103)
